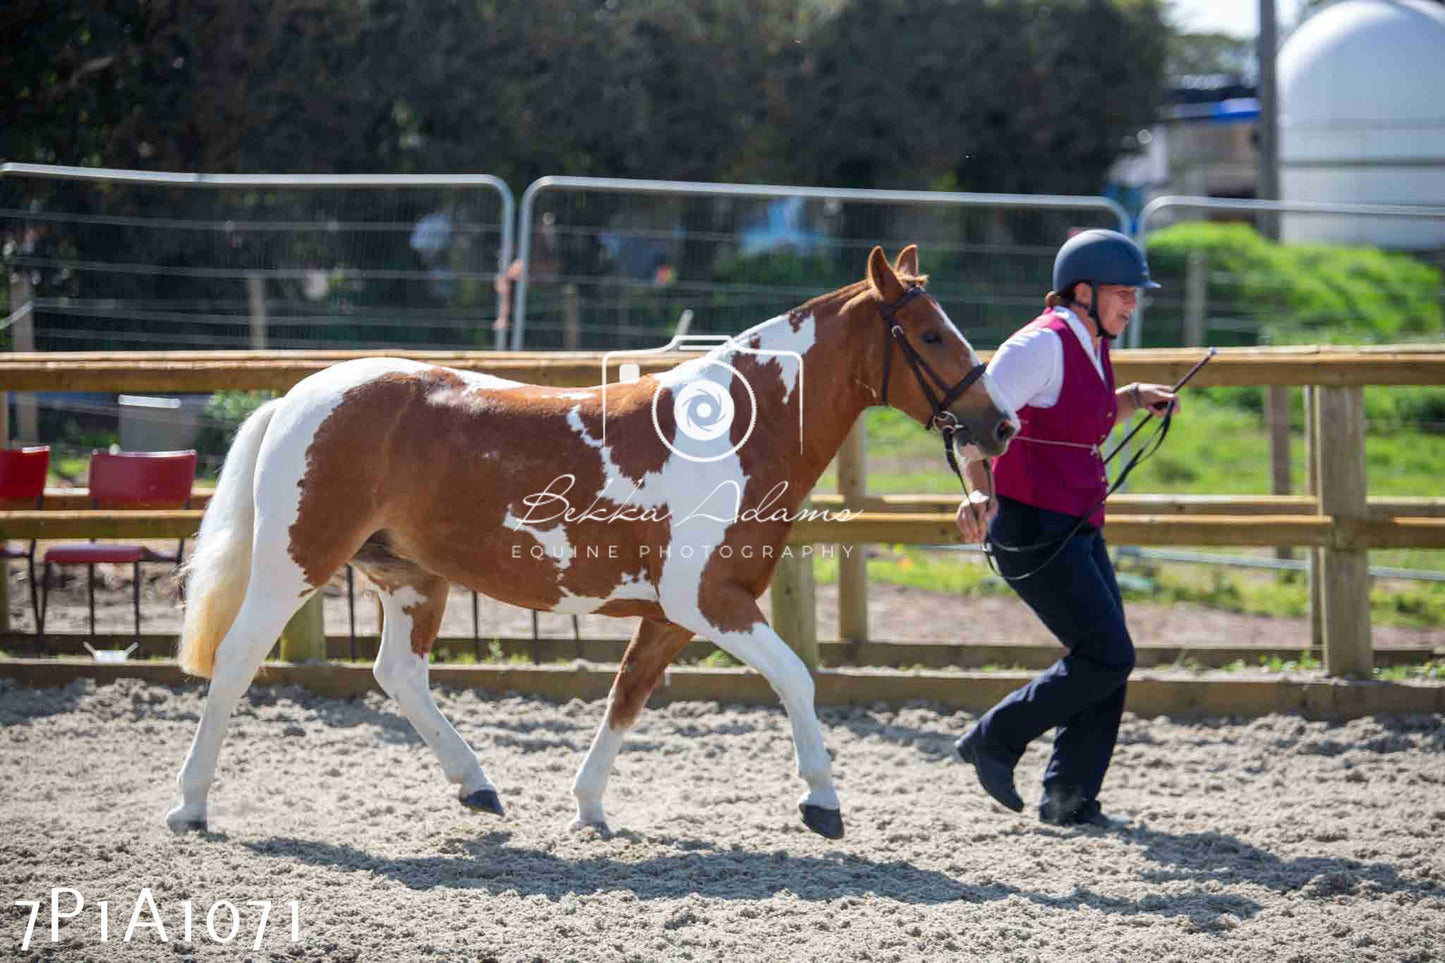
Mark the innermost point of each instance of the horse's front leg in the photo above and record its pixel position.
(734, 623)
(654, 646)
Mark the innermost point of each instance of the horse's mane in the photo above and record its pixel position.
(843, 298)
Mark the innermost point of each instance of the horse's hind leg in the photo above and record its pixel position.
(277, 588)
(654, 646)
(412, 616)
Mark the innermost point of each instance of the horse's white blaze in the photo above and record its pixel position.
(403, 674)
(988, 385)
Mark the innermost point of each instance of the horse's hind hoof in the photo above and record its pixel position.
(484, 800)
(827, 823)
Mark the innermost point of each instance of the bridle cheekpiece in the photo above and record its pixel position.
(944, 420)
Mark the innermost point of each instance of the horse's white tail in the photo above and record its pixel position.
(220, 567)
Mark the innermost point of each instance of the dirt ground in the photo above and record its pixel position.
(1270, 839)
(896, 614)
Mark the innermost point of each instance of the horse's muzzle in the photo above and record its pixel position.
(991, 430)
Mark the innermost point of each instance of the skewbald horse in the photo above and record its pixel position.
(422, 476)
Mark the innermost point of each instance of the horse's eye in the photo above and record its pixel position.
(933, 337)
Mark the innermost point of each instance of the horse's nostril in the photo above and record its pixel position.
(1005, 430)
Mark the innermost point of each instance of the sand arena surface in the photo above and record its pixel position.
(1271, 839)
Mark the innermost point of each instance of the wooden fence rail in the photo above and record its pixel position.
(206, 371)
(1340, 522)
(1124, 503)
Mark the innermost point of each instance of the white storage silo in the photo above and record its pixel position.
(1362, 120)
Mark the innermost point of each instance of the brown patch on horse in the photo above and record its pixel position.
(597, 576)
(437, 462)
(341, 485)
(654, 645)
(632, 440)
(426, 615)
(632, 608)
(390, 573)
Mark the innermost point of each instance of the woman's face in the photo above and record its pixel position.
(1116, 305)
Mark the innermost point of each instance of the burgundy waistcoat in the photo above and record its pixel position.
(1068, 478)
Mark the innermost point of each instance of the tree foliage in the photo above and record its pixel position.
(1029, 95)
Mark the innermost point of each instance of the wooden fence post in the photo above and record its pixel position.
(1345, 572)
(256, 299)
(853, 562)
(794, 611)
(571, 318)
(304, 638)
(1196, 298)
(25, 409)
(23, 339)
(1312, 486)
(1277, 419)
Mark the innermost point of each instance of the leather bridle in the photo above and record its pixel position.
(892, 331)
(942, 419)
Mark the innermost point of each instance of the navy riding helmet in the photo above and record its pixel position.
(1100, 257)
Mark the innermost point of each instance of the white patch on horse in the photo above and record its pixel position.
(775, 340)
(677, 487)
(614, 485)
(476, 379)
(283, 454)
(407, 596)
(553, 540)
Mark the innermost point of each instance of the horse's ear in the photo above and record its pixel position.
(882, 277)
(907, 263)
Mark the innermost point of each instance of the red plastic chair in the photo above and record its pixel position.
(125, 480)
(22, 486)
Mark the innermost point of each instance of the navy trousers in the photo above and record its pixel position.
(1082, 695)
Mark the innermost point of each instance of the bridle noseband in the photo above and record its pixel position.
(942, 419)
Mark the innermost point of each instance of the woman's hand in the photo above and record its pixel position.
(974, 514)
(1157, 400)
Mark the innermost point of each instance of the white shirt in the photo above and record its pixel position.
(1028, 368)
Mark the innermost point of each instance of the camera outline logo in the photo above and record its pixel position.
(703, 409)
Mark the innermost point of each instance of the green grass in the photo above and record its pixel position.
(1213, 448)
(1251, 592)
(1432, 671)
(718, 659)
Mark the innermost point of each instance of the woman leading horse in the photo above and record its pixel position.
(1042, 510)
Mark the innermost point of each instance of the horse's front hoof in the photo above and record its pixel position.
(187, 818)
(485, 801)
(827, 823)
(598, 826)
